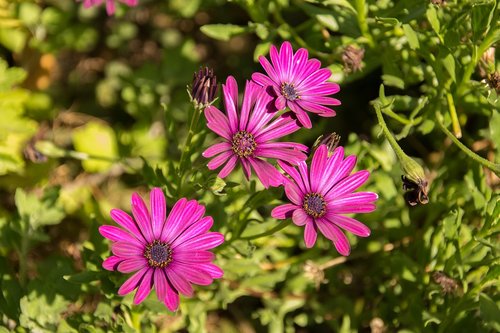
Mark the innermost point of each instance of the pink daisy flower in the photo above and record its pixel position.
(167, 253)
(248, 134)
(298, 82)
(110, 4)
(322, 195)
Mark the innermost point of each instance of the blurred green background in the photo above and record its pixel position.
(94, 108)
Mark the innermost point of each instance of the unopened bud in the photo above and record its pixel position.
(487, 62)
(414, 182)
(204, 87)
(448, 285)
(353, 58)
(494, 81)
(331, 141)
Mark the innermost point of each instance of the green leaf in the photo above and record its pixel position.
(449, 64)
(412, 37)
(13, 39)
(495, 129)
(489, 311)
(39, 212)
(433, 18)
(97, 140)
(393, 81)
(223, 32)
(451, 223)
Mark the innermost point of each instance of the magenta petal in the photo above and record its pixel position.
(144, 287)
(216, 149)
(351, 209)
(280, 102)
(355, 198)
(332, 232)
(179, 282)
(132, 264)
(126, 249)
(171, 299)
(267, 174)
(310, 234)
(301, 115)
(193, 256)
(318, 165)
(132, 282)
(293, 193)
(195, 229)
(286, 54)
(111, 263)
(217, 161)
(193, 275)
(218, 122)
(203, 242)
(158, 210)
(247, 170)
(116, 234)
(230, 91)
(160, 283)
(300, 217)
(348, 184)
(214, 271)
(262, 80)
(283, 211)
(127, 222)
(269, 69)
(141, 215)
(349, 224)
(295, 175)
(226, 170)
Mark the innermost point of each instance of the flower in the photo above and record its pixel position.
(298, 82)
(110, 4)
(248, 134)
(204, 87)
(169, 253)
(322, 195)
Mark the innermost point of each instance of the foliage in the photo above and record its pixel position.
(94, 107)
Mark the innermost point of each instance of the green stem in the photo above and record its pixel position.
(23, 261)
(363, 25)
(453, 114)
(271, 231)
(477, 52)
(397, 149)
(495, 167)
(187, 148)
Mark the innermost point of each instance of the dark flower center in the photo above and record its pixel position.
(158, 254)
(289, 92)
(243, 144)
(314, 204)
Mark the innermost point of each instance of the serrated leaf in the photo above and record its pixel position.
(489, 311)
(412, 36)
(223, 32)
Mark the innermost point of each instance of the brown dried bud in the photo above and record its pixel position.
(204, 87)
(331, 140)
(494, 81)
(416, 192)
(448, 285)
(487, 62)
(353, 58)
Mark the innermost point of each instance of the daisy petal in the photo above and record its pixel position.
(132, 282)
(310, 234)
(144, 287)
(158, 210)
(283, 211)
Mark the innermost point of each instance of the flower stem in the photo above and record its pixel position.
(395, 146)
(495, 167)
(187, 148)
(271, 231)
(453, 114)
(363, 25)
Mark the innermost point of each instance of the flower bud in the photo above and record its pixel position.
(331, 140)
(353, 58)
(414, 182)
(204, 88)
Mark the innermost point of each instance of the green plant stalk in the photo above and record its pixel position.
(363, 24)
(411, 169)
(23, 254)
(477, 52)
(453, 114)
(495, 167)
(187, 148)
(269, 232)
